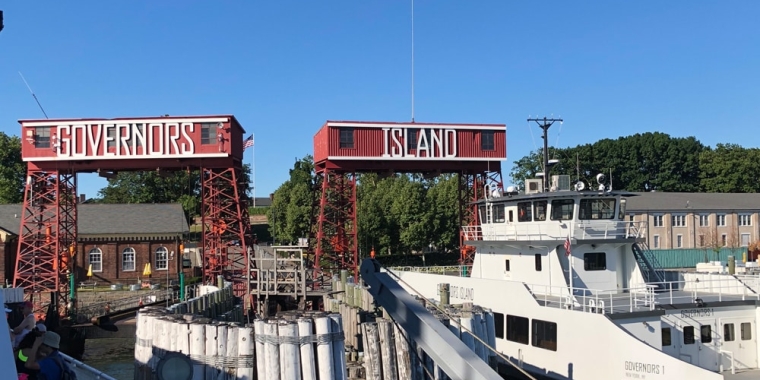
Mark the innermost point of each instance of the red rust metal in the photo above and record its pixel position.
(472, 187)
(55, 150)
(224, 216)
(48, 229)
(335, 236)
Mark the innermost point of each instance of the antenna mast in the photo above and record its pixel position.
(412, 61)
(545, 124)
(34, 96)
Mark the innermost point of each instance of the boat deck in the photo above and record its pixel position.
(615, 303)
(743, 374)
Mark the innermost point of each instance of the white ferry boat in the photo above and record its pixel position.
(577, 294)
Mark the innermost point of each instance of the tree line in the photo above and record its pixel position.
(653, 161)
(403, 213)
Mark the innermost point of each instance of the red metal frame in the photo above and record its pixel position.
(48, 230)
(224, 216)
(472, 187)
(336, 225)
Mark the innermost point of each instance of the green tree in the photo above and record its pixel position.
(729, 168)
(290, 214)
(179, 186)
(12, 170)
(640, 162)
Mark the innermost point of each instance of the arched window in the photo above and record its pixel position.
(162, 258)
(95, 258)
(128, 259)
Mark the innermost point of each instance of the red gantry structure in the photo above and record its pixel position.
(344, 148)
(56, 150)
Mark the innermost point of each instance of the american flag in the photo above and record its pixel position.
(567, 246)
(248, 142)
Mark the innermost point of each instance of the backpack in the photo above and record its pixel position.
(66, 372)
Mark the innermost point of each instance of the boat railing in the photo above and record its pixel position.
(447, 270)
(555, 230)
(647, 297)
(83, 371)
(595, 300)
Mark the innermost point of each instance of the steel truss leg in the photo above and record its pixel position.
(472, 187)
(47, 238)
(336, 245)
(224, 217)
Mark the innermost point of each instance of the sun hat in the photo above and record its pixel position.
(52, 339)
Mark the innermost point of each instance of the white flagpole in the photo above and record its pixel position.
(570, 260)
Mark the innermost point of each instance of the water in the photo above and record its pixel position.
(116, 357)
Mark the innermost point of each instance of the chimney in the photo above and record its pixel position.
(82, 198)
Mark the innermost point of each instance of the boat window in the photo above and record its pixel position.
(538, 262)
(688, 335)
(482, 214)
(545, 334)
(597, 209)
(728, 332)
(621, 212)
(562, 209)
(705, 333)
(517, 329)
(746, 330)
(498, 213)
(511, 217)
(498, 324)
(506, 265)
(539, 208)
(666, 341)
(594, 261)
(524, 213)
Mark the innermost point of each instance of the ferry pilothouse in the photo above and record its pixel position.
(577, 294)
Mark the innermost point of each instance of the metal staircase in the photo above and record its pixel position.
(648, 264)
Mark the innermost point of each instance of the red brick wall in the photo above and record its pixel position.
(145, 252)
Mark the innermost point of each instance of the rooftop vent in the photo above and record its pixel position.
(534, 186)
(561, 183)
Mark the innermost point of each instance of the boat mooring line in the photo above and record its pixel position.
(452, 318)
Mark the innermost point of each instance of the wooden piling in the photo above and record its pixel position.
(271, 351)
(387, 349)
(290, 351)
(232, 356)
(306, 334)
(260, 352)
(246, 353)
(323, 326)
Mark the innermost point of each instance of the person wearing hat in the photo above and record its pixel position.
(21, 355)
(26, 325)
(45, 357)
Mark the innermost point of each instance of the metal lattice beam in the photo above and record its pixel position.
(48, 230)
(334, 236)
(472, 187)
(224, 216)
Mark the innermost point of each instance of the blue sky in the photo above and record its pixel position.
(609, 68)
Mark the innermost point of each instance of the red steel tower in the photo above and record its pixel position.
(56, 150)
(344, 148)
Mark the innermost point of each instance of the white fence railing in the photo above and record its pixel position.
(554, 230)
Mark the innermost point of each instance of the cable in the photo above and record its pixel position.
(451, 318)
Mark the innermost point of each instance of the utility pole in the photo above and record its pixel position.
(1, 21)
(545, 123)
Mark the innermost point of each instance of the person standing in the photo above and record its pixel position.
(46, 358)
(27, 324)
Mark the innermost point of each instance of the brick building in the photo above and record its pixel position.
(117, 239)
(697, 220)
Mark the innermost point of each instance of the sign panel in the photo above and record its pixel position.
(131, 139)
(431, 142)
